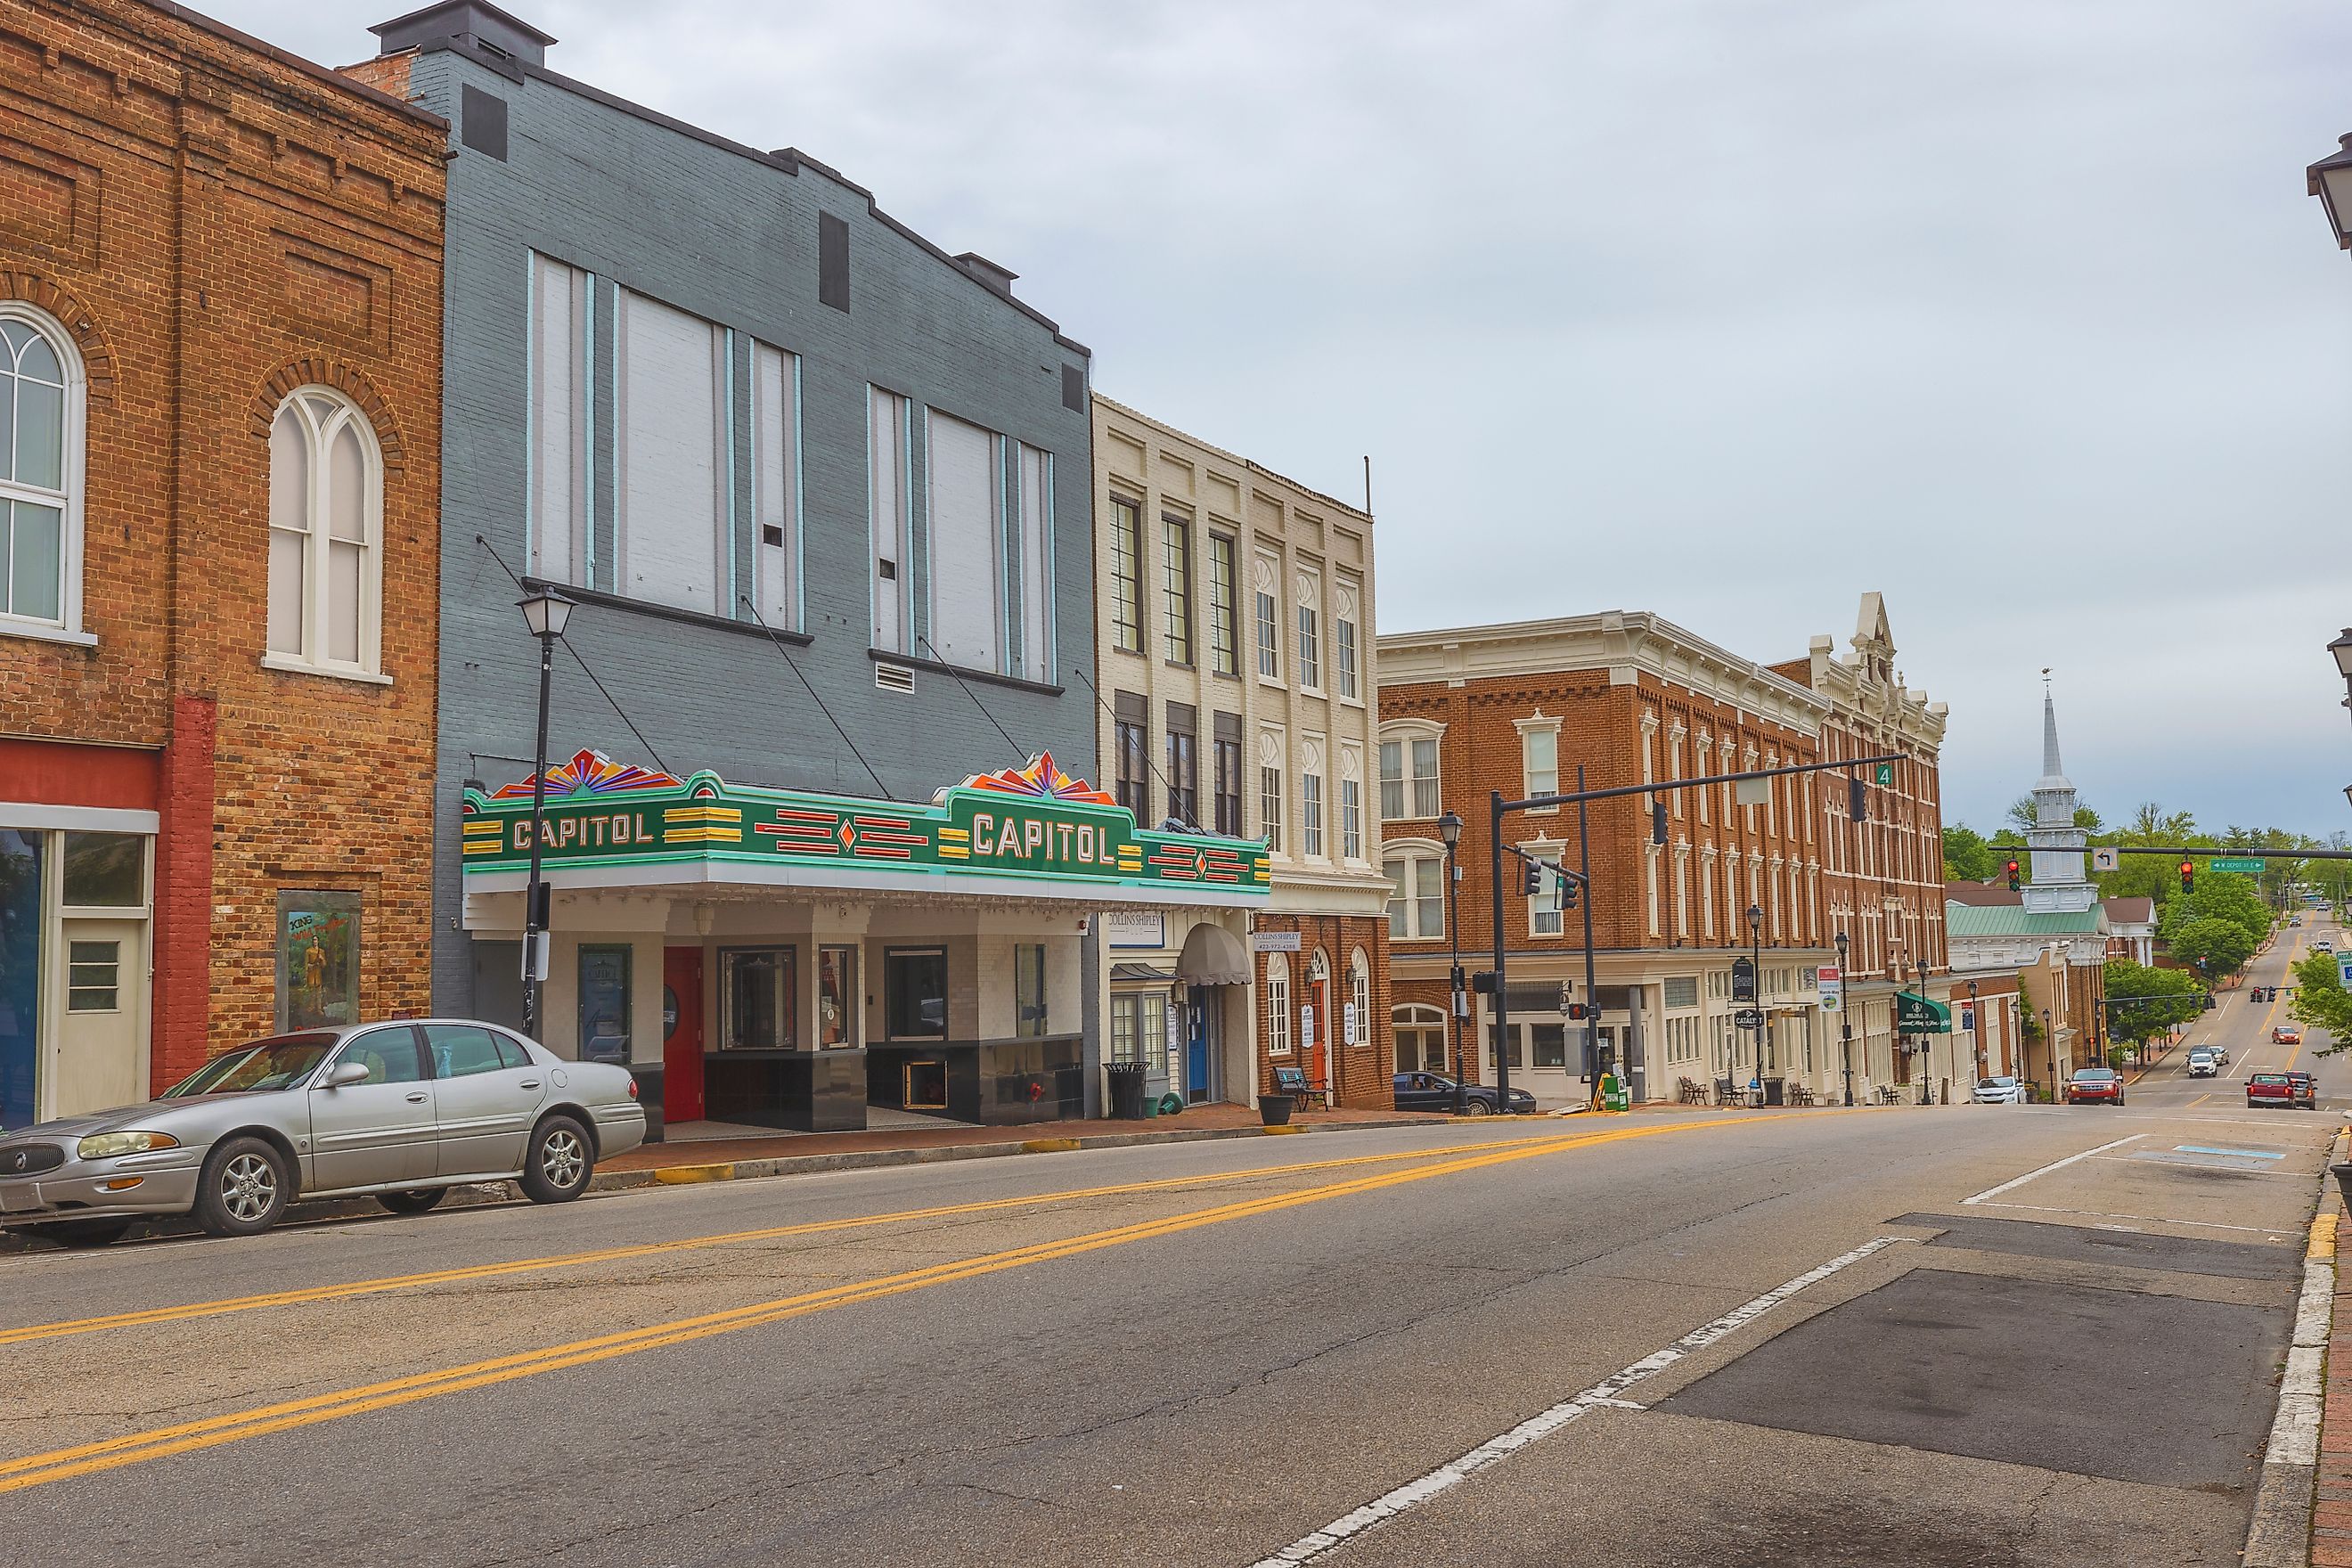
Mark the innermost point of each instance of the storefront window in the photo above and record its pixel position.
(318, 958)
(604, 1004)
(1029, 989)
(915, 993)
(759, 999)
(105, 870)
(836, 997)
(1550, 1041)
(20, 971)
(1139, 1026)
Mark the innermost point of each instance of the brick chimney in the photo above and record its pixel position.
(473, 22)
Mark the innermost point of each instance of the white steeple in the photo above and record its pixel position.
(2059, 884)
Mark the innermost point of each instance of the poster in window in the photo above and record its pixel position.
(317, 959)
(604, 1004)
(836, 997)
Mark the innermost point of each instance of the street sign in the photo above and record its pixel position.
(1749, 1017)
(1743, 980)
(2344, 969)
(1832, 984)
(1886, 774)
(2250, 864)
(2105, 860)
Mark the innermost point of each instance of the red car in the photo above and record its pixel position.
(2288, 1088)
(2094, 1085)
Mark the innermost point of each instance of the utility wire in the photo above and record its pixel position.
(1017, 751)
(582, 663)
(789, 664)
(1189, 822)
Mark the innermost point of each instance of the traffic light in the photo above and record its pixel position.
(1568, 890)
(1531, 878)
(1657, 822)
(2013, 876)
(2187, 876)
(1857, 804)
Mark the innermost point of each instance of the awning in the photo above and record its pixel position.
(1140, 974)
(1213, 956)
(1917, 1014)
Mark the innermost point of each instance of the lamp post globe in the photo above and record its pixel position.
(1449, 830)
(546, 612)
(2331, 181)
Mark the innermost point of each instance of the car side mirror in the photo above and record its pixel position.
(343, 1074)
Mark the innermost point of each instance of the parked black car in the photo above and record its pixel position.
(1434, 1091)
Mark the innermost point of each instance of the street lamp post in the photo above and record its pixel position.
(1756, 967)
(1845, 1019)
(1926, 1039)
(545, 613)
(1976, 1036)
(1449, 829)
(2050, 1044)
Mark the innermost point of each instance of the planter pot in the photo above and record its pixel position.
(2342, 1175)
(1274, 1110)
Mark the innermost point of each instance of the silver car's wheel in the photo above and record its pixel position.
(561, 1160)
(244, 1188)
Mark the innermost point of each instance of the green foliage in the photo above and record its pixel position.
(2217, 945)
(2218, 896)
(2020, 815)
(2320, 1002)
(2148, 1002)
(1967, 858)
(2025, 1013)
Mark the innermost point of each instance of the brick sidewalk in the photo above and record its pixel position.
(2331, 1517)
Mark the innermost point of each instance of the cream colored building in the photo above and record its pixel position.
(1234, 657)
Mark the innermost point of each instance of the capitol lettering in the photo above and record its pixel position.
(1054, 843)
(620, 828)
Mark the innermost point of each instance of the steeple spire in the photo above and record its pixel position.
(2059, 884)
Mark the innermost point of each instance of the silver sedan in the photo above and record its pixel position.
(402, 1111)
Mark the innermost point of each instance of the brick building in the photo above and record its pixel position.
(1634, 699)
(220, 274)
(1236, 658)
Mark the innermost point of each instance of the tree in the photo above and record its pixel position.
(2216, 945)
(2320, 1002)
(2021, 816)
(2145, 1003)
(2218, 896)
(1967, 857)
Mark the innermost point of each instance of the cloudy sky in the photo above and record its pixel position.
(1731, 309)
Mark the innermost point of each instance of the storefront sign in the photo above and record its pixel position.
(1135, 927)
(1274, 942)
(1833, 987)
(1917, 1014)
(1034, 823)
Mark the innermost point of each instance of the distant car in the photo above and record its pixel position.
(402, 1111)
(2287, 1035)
(1434, 1091)
(2270, 1088)
(2321, 944)
(2220, 1054)
(2204, 1064)
(2001, 1091)
(2094, 1085)
(2306, 1089)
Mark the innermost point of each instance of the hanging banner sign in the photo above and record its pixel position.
(1832, 984)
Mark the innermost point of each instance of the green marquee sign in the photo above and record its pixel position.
(1034, 823)
(1921, 1014)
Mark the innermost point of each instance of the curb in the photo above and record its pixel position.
(488, 1193)
(2279, 1535)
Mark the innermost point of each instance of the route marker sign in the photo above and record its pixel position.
(2344, 969)
(2250, 864)
(1886, 774)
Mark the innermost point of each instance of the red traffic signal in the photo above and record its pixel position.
(2013, 876)
(2187, 876)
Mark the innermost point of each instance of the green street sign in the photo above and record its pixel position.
(1886, 774)
(2246, 863)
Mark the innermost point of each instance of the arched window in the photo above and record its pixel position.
(1420, 1032)
(40, 476)
(1359, 995)
(1277, 1004)
(326, 525)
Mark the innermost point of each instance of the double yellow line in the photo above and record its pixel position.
(343, 1291)
(64, 1464)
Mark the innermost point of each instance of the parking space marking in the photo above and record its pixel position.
(2016, 1182)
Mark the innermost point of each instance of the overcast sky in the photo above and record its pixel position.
(2015, 311)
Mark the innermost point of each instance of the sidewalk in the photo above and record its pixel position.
(2329, 1449)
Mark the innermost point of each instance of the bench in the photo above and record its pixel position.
(1800, 1095)
(1293, 1082)
(1689, 1092)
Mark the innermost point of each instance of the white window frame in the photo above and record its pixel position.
(1548, 850)
(1403, 891)
(1359, 994)
(1351, 805)
(72, 471)
(1403, 733)
(1277, 1004)
(1346, 641)
(318, 432)
(1266, 615)
(1528, 728)
(1312, 798)
(1308, 622)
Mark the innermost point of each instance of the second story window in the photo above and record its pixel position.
(1343, 641)
(40, 473)
(1183, 764)
(1409, 783)
(1310, 635)
(1269, 789)
(1268, 581)
(1540, 756)
(1228, 774)
(1176, 564)
(326, 519)
(1225, 628)
(673, 448)
(1130, 755)
(1126, 575)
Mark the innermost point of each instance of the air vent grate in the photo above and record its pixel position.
(894, 677)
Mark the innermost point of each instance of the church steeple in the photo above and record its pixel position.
(2059, 883)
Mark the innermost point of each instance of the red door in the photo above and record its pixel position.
(682, 1033)
(1319, 1060)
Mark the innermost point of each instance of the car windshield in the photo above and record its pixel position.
(2093, 1075)
(2268, 1077)
(281, 1063)
(2000, 1083)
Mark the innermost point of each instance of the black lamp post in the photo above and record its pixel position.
(1756, 963)
(1927, 1038)
(2331, 181)
(545, 613)
(2050, 1044)
(1976, 1035)
(1845, 1019)
(2342, 648)
(1449, 828)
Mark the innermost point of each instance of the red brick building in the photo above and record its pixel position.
(1635, 700)
(220, 309)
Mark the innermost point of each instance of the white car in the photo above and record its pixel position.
(1999, 1091)
(2203, 1063)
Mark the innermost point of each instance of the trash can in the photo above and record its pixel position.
(1274, 1110)
(1126, 1090)
(1775, 1091)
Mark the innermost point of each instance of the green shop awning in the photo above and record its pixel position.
(1028, 833)
(1921, 1014)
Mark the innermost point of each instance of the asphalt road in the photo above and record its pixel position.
(1209, 1352)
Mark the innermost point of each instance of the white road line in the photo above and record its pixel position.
(1606, 1393)
(2280, 1232)
(2017, 1182)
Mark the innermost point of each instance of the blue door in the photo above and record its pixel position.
(1196, 1044)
